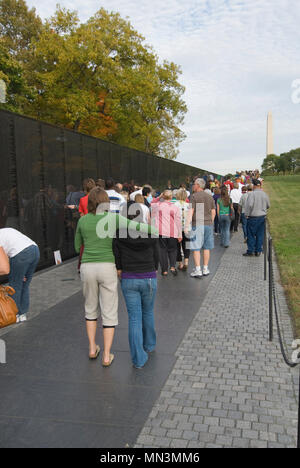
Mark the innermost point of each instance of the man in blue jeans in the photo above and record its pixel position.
(256, 209)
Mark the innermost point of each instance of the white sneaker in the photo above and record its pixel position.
(196, 274)
(18, 318)
(22, 318)
(206, 271)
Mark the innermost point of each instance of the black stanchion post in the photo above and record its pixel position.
(265, 251)
(270, 290)
(298, 441)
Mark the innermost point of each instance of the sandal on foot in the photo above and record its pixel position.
(107, 364)
(94, 356)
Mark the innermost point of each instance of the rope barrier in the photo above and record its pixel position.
(274, 305)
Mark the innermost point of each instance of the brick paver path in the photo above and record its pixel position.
(230, 387)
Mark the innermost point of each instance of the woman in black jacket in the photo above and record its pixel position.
(137, 260)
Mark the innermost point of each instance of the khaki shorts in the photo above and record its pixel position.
(100, 289)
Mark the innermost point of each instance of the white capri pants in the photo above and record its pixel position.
(100, 288)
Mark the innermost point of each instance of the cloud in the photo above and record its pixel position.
(239, 59)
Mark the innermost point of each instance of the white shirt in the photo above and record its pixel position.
(116, 200)
(138, 192)
(235, 195)
(184, 209)
(14, 242)
(145, 213)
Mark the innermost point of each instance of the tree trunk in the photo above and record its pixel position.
(76, 125)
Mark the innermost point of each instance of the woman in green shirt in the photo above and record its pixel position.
(224, 207)
(96, 232)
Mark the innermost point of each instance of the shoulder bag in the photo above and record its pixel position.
(8, 307)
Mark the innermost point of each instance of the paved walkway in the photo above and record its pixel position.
(214, 380)
(51, 395)
(229, 387)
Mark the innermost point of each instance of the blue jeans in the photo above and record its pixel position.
(23, 266)
(140, 296)
(256, 232)
(244, 224)
(225, 230)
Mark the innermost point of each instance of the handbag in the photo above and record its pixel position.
(8, 307)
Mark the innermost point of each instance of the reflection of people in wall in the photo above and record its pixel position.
(3, 203)
(13, 210)
(42, 215)
(74, 196)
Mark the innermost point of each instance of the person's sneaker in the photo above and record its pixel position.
(248, 254)
(22, 318)
(257, 254)
(206, 271)
(196, 274)
(18, 318)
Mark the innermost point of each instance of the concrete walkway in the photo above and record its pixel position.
(214, 381)
(229, 387)
(51, 395)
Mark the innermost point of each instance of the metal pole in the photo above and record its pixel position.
(270, 291)
(265, 251)
(298, 442)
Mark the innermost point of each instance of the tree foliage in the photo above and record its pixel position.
(98, 77)
(286, 163)
(16, 90)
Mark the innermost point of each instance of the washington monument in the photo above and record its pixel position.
(270, 146)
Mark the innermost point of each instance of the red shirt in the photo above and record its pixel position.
(228, 182)
(83, 205)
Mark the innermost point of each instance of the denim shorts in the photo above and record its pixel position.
(202, 237)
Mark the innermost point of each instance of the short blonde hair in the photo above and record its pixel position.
(167, 195)
(139, 198)
(182, 194)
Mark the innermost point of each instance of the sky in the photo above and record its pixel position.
(240, 59)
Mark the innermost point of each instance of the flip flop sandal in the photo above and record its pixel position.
(107, 364)
(92, 357)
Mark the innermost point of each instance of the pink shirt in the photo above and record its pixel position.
(166, 217)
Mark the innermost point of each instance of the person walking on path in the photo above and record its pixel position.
(202, 215)
(245, 193)
(116, 199)
(137, 261)
(235, 196)
(256, 209)
(216, 197)
(145, 211)
(224, 207)
(95, 232)
(24, 256)
(88, 185)
(183, 254)
(166, 217)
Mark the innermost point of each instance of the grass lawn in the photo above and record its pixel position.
(284, 220)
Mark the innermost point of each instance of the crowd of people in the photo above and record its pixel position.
(129, 233)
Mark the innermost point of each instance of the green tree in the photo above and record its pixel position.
(100, 78)
(270, 164)
(18, 26)
(11, 72)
